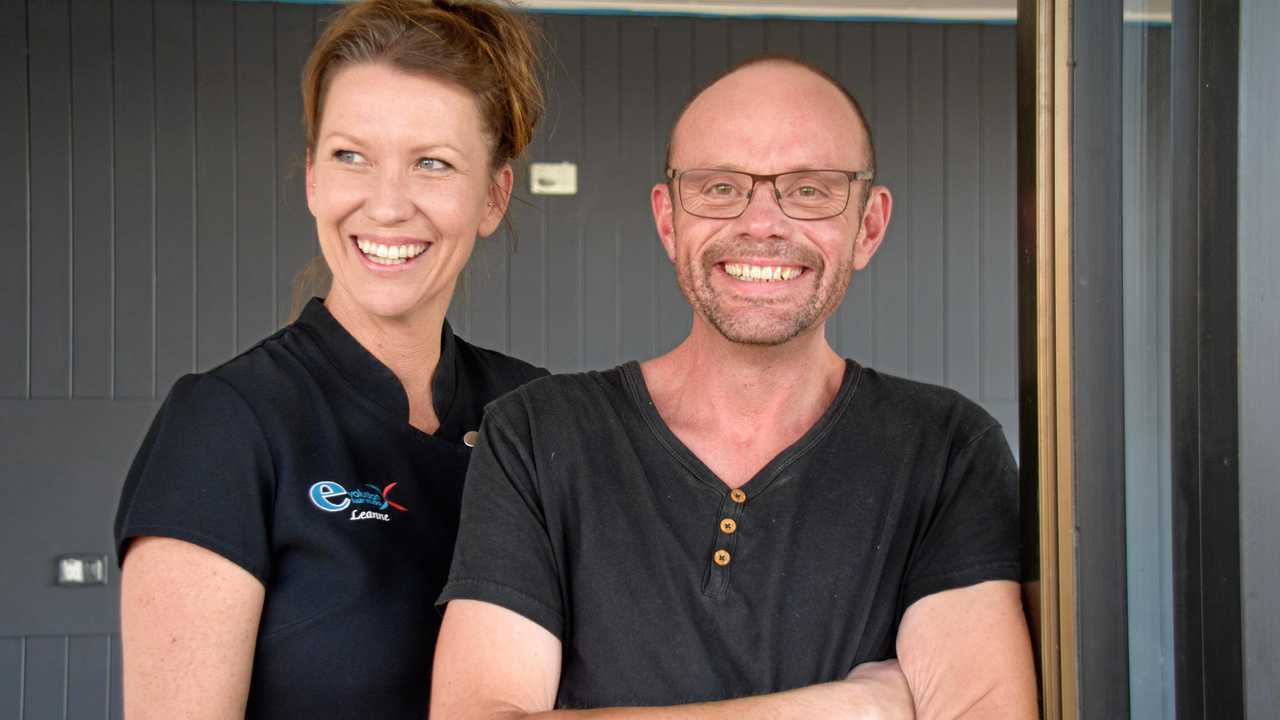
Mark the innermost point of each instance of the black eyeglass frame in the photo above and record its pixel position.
(674, 175)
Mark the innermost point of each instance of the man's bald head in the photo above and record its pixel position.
(765, 72)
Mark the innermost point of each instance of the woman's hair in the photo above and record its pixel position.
(484, 46)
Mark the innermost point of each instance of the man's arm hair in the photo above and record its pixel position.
(494, 664)
(966, 653)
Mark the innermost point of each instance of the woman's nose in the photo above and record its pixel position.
(388, 202)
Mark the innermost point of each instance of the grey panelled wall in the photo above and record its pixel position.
(1259, 347)
(155, 158)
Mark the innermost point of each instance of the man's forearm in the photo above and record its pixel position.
(848, 699)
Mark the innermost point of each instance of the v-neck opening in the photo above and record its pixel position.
(760, 482)
(375, 383)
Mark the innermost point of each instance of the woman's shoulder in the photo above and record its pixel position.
(495, 369)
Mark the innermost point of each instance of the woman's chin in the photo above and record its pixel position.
(388, 303)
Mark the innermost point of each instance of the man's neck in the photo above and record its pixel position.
(717, 395)
(409, 346)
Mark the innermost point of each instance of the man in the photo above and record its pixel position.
(748, 526)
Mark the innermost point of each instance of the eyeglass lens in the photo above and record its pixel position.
(803, 195)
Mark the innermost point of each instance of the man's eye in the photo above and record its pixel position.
(722, 189)
(808, 191)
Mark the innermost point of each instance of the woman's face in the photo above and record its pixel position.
(400, 185)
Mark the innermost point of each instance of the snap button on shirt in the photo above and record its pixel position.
(722, 557)
(728, 526)
(470, 438)
(737, 495)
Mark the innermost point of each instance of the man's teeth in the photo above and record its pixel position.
(760, 273)
(390, 254)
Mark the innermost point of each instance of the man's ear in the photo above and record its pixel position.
(499, 198)
(875, 222)
(664, 217)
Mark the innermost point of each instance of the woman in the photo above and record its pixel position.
(290, 517)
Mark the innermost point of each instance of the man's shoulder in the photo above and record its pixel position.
(574, 394)
(892, 398)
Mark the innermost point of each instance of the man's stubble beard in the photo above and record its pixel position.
(745, 327)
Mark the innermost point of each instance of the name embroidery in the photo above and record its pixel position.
(367, 503)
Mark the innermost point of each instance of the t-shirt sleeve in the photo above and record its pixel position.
(504, 554)
(204, 474)
(973, 534)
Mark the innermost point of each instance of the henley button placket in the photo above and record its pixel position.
(732, 505)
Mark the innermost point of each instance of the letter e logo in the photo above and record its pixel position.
(323, 496)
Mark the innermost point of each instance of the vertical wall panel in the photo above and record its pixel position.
(963, 319)
(44, 679)
(175, 124)
(486, 282)
(999, 272)
(600, 193)
(11, 651)
(926, 199)
(890, 272)
(636, 234)
(746, 40)
(782, 37)
(850, 330)
(711, 50)
(50, 93)
(563, 216)
(820, 45)
(115, 704)
(13, 199)
(133, 178)
(216, 261)
(295, 229)
(91, 193)
(255, 168)
(674, 87)
(88, 677)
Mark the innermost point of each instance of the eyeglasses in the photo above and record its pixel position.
(801, 194)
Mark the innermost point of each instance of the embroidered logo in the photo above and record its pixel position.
(365, 504)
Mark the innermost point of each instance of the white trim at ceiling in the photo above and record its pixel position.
(941, 10)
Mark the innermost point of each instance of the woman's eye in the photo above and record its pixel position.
(433, 164)
(349, 157)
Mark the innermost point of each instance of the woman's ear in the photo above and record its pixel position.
(499, 198)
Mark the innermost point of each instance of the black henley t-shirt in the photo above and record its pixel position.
(584, 513)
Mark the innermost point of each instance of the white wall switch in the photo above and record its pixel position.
(553, 178)
(82, 570)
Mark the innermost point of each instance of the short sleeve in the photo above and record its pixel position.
(973, 535)
(204, 474)
(504, 553)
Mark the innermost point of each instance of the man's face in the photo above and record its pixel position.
(764, 278)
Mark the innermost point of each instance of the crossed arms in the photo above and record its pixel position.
(962, 653)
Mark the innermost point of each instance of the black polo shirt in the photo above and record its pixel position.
(296, 461)
(586, 514)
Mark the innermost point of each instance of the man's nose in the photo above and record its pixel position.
(388, 202)
(764, 213)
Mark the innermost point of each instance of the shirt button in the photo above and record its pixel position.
(722, 557)
(737, 495)
(470, 438)
(728, 526)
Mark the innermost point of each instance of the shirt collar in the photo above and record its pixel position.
(369, 376)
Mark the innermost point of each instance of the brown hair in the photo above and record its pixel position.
(485, 46)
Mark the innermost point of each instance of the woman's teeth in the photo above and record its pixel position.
(390, 254)
(760, 273)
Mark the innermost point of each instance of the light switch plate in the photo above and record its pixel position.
(82, 570)
(553, 178)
